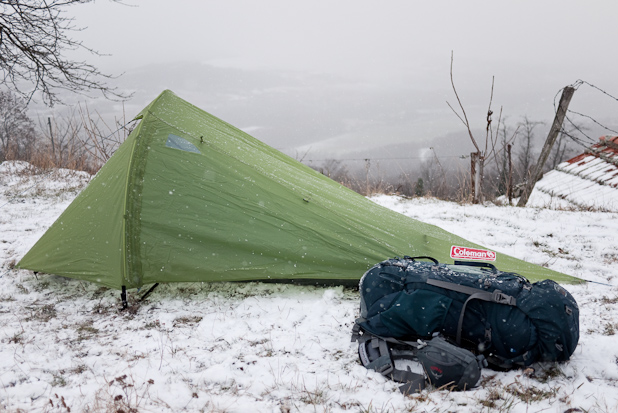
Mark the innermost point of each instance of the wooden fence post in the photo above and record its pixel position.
(565, 99)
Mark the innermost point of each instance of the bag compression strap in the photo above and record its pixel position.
(495, 296)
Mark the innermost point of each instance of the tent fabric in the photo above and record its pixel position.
(188, 197)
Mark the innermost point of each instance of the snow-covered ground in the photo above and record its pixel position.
(64, 344)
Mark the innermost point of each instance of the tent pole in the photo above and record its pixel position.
(149, 291)
(123, 297)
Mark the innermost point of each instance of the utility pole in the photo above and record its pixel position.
(565, 99)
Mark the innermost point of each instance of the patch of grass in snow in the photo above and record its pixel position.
(11, 263)
(28, 181)
(85, 330)
(41, 285)
(152, 325)
(503, 398)
(42, 314)
(60, 404)
(78, 369)
(20, 287)
(188, 320)
(102, 308)
(500, 397)
(372, 409)
(6, 298)
(133, 308)
(124, 394)
(59, 380)
(316, 397)
(17, 338)
(607, 300)
(530, 394)
(548, 373)
(609, 329)
(267, 348)
(610, 258)
(230, 386)
(496, 400)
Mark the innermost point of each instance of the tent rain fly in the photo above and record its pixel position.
(188, 197)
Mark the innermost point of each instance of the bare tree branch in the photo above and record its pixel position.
(34, 41)
(462, 108)
(489, 130)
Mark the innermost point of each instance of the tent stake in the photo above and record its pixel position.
(596, 282)
(123, 297)
(149, 291)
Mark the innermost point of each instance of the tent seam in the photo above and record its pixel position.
(125, 206)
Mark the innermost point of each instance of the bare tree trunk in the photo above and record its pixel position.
(480, 198)
(476, 176)
(473, 158)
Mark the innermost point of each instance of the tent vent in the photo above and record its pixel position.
(176, 142)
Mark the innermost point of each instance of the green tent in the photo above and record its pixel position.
(188, 197)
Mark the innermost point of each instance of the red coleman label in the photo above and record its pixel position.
(472, 254)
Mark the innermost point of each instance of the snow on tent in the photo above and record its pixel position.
(188, 197)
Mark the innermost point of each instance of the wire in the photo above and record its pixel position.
(384, 159)
(595, 121)
(580, 130)
(579, 82)
(576, 85)
(578, 140)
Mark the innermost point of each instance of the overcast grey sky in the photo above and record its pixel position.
(338, 75)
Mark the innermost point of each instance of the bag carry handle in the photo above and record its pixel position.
(478, 264)
(435, 261)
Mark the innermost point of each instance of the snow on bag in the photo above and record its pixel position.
(499, 315)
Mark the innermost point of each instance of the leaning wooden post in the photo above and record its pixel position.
(567, 94)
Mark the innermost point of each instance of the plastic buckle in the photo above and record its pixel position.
(501, 298)
(385, 369)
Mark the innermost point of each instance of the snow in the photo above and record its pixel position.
(240, 347)
(586, 183)
(559, 189)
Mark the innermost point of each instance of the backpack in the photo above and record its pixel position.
(497, 314)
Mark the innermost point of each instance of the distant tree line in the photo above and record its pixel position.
(431, 177)
(77, 141)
